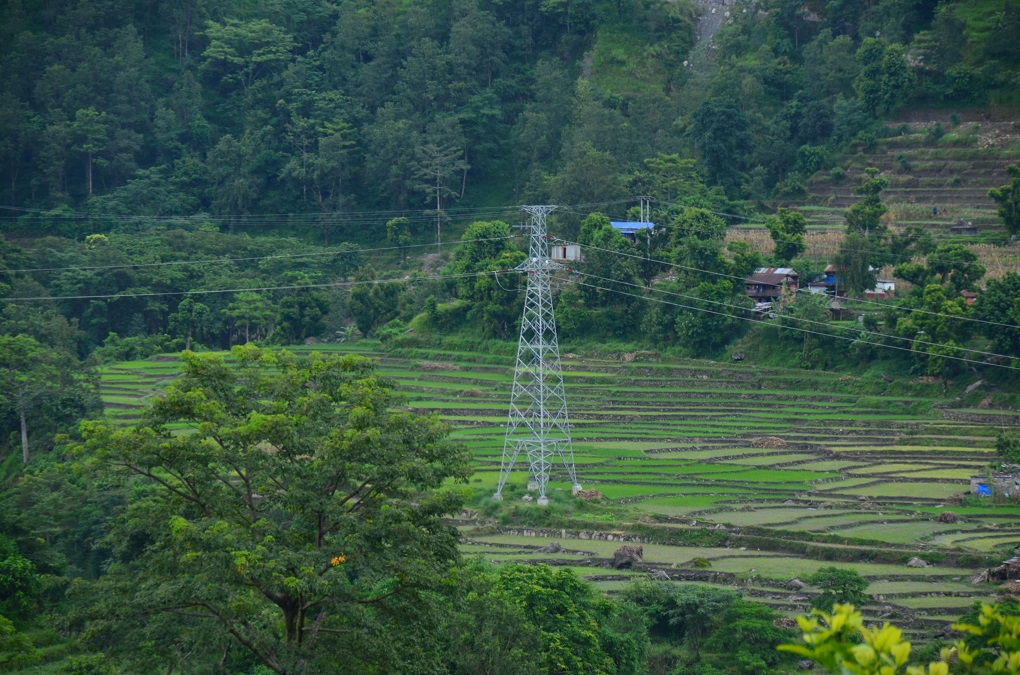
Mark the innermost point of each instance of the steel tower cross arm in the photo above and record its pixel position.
(537, 421)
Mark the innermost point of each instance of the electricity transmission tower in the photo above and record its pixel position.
(537, 422)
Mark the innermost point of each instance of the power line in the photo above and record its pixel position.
(742, 279)
(859, 331)
(347, 216)
(334, 284)
(246, 259)
(794, 328)
(902, 257)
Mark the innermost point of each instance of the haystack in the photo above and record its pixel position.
(769, 442)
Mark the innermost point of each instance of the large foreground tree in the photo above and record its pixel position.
(281, 511)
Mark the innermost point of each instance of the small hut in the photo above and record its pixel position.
(1005, 482)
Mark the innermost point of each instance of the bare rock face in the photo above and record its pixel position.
(917, 562)
(739, 356)
(554, 547)
(627, 555)
(796, 584)
(658, 575)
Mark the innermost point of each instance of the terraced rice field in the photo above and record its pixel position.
(859, 482)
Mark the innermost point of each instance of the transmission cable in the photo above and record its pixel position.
(333, 284)
(794, 328)
(743, 279)
(858, 331)
(208, 261)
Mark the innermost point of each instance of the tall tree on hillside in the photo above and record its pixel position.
(438, 167)
(853, 264)
(91, 134)
(883, 76)
(232, 170)
(244, 52)
(21, 135)
(999, 306)
(787, 230)
(865, 216)
(722, 135)
(298, 521)
(252, 310)
(1007, 198)
(40, 382)
(487, 246)
(189, 319)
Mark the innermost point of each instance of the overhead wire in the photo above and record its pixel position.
(858, 331)
(375, 215)
(259, 289)
(902, 257)
(208, 261)
(353, 216)
(742, 279)
(794, 328)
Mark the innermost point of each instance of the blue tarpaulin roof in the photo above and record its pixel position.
(630, 226)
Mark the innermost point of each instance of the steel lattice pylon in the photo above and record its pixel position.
(537, 422)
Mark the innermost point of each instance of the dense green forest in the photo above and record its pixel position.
(135, 112)
(184, 176)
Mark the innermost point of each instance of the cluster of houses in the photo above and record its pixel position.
(769, 287)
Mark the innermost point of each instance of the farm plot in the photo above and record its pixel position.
(711, 452)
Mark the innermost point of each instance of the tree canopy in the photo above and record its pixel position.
(296, 518)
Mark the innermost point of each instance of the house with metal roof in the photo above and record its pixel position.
(771, 284)
(630, 228)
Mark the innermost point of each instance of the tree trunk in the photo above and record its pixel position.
(24, 435)
(439, 232)
(88, 172)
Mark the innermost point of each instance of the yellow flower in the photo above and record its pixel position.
(338, 560)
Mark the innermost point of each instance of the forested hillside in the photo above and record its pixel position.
(189, 176)
(317, 109)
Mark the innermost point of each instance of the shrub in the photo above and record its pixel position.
(1007, 447)
(838, 586)
(933, 134)
(840, 643)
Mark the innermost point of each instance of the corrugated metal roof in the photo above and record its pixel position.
(771, 276)
(776, 270)
(630, 226)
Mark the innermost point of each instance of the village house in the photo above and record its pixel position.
(963, 227)
(1005, 482)
(630, 228)
(831, 285)
(565, 252)
(771, 284)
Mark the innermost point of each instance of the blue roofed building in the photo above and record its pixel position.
(630, 228)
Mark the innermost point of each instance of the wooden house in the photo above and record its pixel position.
(771, 284)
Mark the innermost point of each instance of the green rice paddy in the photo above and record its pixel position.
(856, 480)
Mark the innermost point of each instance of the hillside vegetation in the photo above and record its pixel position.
(343, 178)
